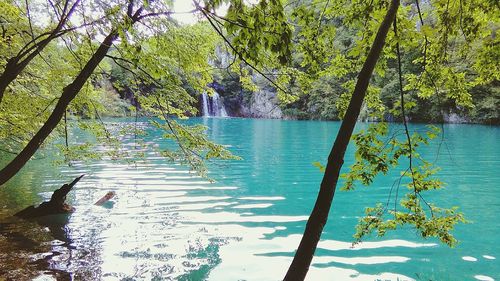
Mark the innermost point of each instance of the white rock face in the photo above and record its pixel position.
(454, 118)
(263, 104)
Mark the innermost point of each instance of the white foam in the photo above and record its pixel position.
(334, 245)
(469, 258)
(262, 198)
(361, 260)
(186, 187)
(483, 278)
(227, 217)
(252, 206)
(252, 249)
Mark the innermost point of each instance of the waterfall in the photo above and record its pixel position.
(204, 101)
(212, 106)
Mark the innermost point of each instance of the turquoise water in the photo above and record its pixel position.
(167, 224)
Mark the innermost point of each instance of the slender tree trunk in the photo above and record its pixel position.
(317, 220)
(69, 93)
(14, 67)
(17, 64)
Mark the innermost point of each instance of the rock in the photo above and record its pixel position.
(455, 118)
(263, 104)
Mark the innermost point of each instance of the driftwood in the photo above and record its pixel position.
(55, 206)
(105, 199)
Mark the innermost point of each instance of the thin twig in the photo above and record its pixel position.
(207, 16)
(405, 123)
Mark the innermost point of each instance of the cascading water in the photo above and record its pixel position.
(204, 104)
(212, 106)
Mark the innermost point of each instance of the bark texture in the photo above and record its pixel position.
(319, 216)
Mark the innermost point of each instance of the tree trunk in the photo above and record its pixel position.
(317, 220)
(69, 93)
(17, 64)
(5, 80)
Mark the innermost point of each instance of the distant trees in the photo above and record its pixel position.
(317, 68)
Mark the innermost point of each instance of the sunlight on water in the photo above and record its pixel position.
(167, 223)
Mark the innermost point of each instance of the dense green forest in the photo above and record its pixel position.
(66, 65)
(311, 93)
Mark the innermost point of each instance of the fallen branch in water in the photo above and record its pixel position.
(55, 206)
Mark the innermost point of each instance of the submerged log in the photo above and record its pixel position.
(105, 199)
(55, 206)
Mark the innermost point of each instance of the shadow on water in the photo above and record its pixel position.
(28, 248)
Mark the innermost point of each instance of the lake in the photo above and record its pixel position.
(167, 224)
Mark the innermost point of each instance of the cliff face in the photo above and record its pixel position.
(240, 102)
(455, 118)
(262, 104)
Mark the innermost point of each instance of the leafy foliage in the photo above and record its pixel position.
(154, 64)
(376, 153)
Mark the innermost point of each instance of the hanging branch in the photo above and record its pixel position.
(28, 14)
(66, 138)
(321, 19)
(405, 123)
(424, 63)
(35, 47)
(106, 131)
(210, 20)
(174, 132)
(403, 112)
(424, 70)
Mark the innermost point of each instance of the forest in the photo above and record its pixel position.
(221, 129)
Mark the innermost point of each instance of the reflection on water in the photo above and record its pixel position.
(167, 224)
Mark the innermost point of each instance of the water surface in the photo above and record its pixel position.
(167, 224)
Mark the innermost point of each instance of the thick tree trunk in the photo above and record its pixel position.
(317, 220)
(69, 93)
(4, 83)
(13, 68)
